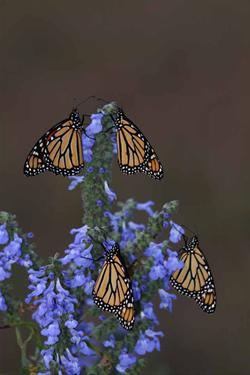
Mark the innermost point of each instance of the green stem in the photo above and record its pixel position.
(93, 184)
(23, 346)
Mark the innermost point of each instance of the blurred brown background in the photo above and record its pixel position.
(180, 69)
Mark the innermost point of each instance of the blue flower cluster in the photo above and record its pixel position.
(10, 254)
(79, 257)
(55, 313)
(88, 139)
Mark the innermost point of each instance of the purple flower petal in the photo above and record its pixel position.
(166, 300)
(4, 236)
(111, 195)
(75, 181)
(126, 361)
(176, 232)
(146, 207)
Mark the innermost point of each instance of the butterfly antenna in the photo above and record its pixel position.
(98, 242)
(85, 100)
(105, 239)
(93, 259)
(108, 102)
(184, 226)
(102, 100)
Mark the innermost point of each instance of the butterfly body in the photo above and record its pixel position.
(195, 279)
(135, 153)
(59, 150)
(112, 291)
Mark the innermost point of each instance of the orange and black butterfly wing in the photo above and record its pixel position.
(195, 279)
(126, 314)
(112, 287)
(59, 150)
(135, 153)
(64, 153)
(35, 163)
(112, 291)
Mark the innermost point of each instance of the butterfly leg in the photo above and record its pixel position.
(108, 130)
(84, 132)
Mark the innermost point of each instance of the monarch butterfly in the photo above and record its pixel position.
(195, 279)
(59, 150)
(135, 153)
(112, 291)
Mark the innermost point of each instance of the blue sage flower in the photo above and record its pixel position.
(3, 306)
(99, 202)
(144, 345)
(147, 207)
(148, 312)
(52, 331)
(25, 261)
(4, 236)
(88, 139)
(176, 232)
(110, 194)
(155, 250)
(102, 170)
(71, 322)
(126, 361)
(158, 271)
(70, 363)
(90, 169)
(10, 254)
(95, 126)
(166, 223)
(30, 235)
(110, 343)
(128, 234)
(136, 290)
(153, 335)
(79, 254)
(87, 153)
(114, 142)
(13, 249)
(80, 234)
(47, 355)
(166, 300)
(135, 226)
(148, 342)
(173, 263)
(75, 181)
(88, 285)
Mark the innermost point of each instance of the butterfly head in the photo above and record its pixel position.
(193, 242)
(75, 116)
(118, 115)
(112, 252)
